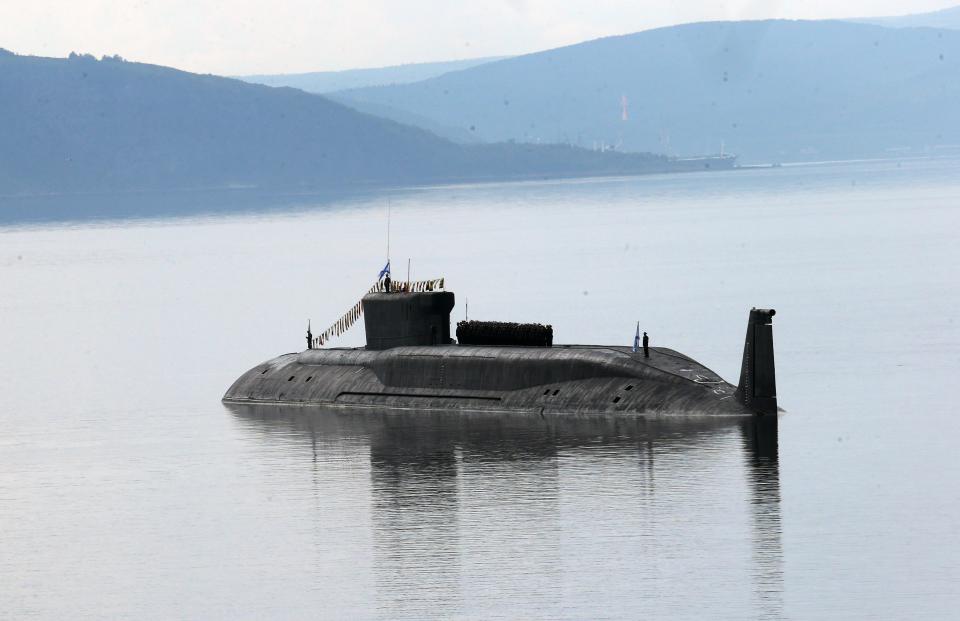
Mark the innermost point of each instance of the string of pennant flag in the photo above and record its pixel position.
(346, 321)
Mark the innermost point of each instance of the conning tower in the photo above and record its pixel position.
(407, 318)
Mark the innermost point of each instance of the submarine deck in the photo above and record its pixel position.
(577, 379)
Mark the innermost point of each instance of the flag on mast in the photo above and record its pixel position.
(385, 271)
(636, 339)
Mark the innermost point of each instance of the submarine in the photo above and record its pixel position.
(410, 362)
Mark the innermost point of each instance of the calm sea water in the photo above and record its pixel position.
(127, 490)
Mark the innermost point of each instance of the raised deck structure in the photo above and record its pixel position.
(410, 362)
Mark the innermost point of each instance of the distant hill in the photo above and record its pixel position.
(944, 18)
(456, 134)
(768, 90)
(83, 125)
(329, 81)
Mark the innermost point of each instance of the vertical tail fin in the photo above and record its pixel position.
(758, 383)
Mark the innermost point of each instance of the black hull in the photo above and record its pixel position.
(560, 380)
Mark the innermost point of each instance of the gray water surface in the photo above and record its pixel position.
(127, 490)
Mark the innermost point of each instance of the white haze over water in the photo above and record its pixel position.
(127, 490)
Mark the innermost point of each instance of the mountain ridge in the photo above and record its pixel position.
(87, 125)
(771, 90)
(322, 82)
(948, 18)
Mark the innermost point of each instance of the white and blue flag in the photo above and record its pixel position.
(636, 339)
(386, 272)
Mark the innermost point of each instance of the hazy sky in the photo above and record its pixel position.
(282, 36)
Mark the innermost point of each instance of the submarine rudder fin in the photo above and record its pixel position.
(757, 389)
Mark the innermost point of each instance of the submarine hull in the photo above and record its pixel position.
(562, 379)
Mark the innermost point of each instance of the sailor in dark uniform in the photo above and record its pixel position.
(646, 345)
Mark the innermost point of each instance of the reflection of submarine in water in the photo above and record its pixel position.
(416, 437)
(410, 362)
(451, 503)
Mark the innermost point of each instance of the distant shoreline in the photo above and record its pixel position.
(676, 166)
(92, 207)
(361, 188)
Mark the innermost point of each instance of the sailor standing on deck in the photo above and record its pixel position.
(385, 276)
(646, 345)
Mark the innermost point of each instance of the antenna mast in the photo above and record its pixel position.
(388, 230)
